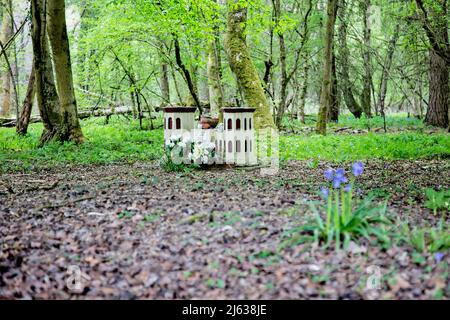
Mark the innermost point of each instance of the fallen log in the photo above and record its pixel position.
(11, 122)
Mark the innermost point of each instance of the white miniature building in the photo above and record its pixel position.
(177, 120)
(235, 144)
(238, 138)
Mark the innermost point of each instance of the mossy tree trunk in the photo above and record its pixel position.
(242, 65)
(47, 98)
(69, 129)
(326, 96)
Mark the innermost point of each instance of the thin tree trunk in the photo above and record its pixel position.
(333, 113)
(214, 76)
(165, 88)
(283, 72)
(187, 76)
(133, 99)
(70, 129)
(175, 84)
(344, 53)
(6, 33)
(386, 69)
(24, 119)
(366, 100)
(303, 91)
(242, 65)
(326, 98)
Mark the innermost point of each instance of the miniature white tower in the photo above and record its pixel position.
(239, 136)
(177, 120)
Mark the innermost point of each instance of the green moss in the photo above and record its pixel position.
(242, 66)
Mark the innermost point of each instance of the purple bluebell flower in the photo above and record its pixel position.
(340, 172)
(329, 173)
(339, 178)
(438, 256)
(325, 192)
(348, 187)
(357, 168)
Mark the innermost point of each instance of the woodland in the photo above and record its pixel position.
(355, 93)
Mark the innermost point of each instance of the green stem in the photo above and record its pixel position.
(337, 220)
(329, 213)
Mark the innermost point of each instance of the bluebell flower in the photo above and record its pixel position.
(329, 174)
(348, 187)
(357, 168)
(340, 172)
(325, 192)
(339, 178)
(438, 256)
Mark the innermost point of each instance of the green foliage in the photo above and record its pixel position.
(427, 239)
(105, 144)
(437, 200)
(121, 141)
(342, 221)
(341, 148)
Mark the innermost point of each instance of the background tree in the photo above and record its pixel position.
(433, 15)
(326, 97)
(242, 65)
(57, 31)
(6, 34)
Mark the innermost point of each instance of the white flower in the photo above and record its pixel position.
(205, 159)
(186, 139)
(182, 144)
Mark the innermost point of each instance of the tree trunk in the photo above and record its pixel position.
(242, 65)
(333, 113)
(165, 89)
(6, 33)
(69, 129)
(133, 99)
(437, 113)
(303, 91)
(344, 53)
(283, 68)
(187, 76)
(435, 23)
(24, 119)
(367, 77)
(386, 69)
(326, 98)
(214, 78)
(46, 95)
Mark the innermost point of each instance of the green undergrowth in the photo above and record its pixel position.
(121, 141)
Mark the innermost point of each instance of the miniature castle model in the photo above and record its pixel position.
(234, 139)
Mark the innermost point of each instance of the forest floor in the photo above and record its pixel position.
(135, 231)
